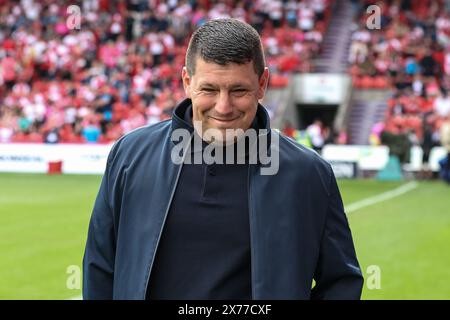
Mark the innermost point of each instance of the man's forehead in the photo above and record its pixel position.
(210, 73)
(208, 65)
(229, 83)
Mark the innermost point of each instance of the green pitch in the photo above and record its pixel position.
(402, 243)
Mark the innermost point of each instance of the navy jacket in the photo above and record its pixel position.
(298, 228)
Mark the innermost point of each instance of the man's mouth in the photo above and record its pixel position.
(223, 120)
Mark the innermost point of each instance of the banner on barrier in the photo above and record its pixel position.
(91, 158)
(375, 158)
(35, 158)
(367, 157)
(344, 169)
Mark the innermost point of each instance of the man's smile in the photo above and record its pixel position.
(223, 120)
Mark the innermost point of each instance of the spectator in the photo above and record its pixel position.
(52, 136)
(445, 141)
(358, 49)
(427, 144)
(6, 130)
(9, 68)
(288, 129)
(302, 137)
(428, 64)
(91, 133)
(442, 104)
(314, 131)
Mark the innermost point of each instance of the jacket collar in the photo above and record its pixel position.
(182, 115)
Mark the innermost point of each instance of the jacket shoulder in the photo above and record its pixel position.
(141, 138)
(298, 152)
(301, 159)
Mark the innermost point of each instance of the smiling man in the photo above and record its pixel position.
(162, 229)
(224, 83)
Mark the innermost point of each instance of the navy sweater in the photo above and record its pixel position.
(204, 250)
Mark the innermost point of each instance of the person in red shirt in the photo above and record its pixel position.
(9, 68)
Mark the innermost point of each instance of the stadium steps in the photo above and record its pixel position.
(335, 46)
(367, 107)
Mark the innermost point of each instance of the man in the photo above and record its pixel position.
(442, 104)
(165, 229)
(445, 142)
(314, 131)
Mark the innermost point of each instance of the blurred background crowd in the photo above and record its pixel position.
(121, 68)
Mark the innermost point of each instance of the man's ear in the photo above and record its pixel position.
(186, 82)
(263, 83)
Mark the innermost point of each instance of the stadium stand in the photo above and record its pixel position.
(408, 58)
(121, 68)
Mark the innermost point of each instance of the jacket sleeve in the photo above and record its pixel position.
(338, 275)
(98, 261)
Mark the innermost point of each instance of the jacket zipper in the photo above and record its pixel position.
(164, 222)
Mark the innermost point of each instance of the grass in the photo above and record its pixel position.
(44, 221)
(407, 237)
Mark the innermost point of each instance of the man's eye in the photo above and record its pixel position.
(239, 92)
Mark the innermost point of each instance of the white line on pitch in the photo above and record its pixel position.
(80, 297)
(381, 197)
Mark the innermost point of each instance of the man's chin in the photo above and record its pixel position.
(220, 137)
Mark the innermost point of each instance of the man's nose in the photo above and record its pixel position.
(223, 104)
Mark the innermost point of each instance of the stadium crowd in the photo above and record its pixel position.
(410, 54)
(120, 67)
